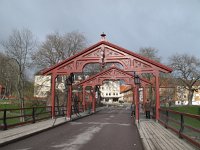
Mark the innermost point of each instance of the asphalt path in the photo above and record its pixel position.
(109, 129)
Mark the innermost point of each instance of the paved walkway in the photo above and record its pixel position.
(155, 137)
(110, 129)
(22, 132)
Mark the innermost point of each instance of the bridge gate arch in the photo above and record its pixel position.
(105, 52)
(113, 73)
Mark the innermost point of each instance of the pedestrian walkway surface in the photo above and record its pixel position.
(21, 132)
(110, 129)
(153, 135)
(156, 137)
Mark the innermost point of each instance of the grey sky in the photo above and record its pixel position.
(170, 26)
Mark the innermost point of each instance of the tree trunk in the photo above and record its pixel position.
(190, 96)
(20, 89)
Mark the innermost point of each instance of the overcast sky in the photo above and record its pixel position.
(170, 26)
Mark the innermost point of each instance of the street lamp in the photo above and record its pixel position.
(68, 82)
(97, 91)
(137, 80)
(137, 83)
(70, 79)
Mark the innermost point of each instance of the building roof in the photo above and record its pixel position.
(125, 88)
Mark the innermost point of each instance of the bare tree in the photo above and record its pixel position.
(57, 48)
(187, 70)
(18, 47)
(74, 43)
(7, 77)
(150, 53)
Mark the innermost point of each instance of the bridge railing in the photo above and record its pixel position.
(186, 125)
(12, 117)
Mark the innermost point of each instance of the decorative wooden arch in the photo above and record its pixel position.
(106, 52)
(112, 73)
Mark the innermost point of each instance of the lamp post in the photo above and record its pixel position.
(97, 94)
(69, 82)
(137, 83)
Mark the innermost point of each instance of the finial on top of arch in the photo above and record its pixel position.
(103, 37)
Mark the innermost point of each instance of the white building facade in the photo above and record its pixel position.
(110, 91)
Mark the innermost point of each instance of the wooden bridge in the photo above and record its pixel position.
(153, 135)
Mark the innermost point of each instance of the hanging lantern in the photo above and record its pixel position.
(137, 80)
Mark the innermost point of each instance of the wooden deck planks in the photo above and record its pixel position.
(163, 140)
(156, 137)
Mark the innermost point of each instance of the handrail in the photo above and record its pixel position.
(185, 114)
(31, 115)
(170, 120)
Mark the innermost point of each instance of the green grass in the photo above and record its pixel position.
(187, 109)
(14, 104)
(195, 110)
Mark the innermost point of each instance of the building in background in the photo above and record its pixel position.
(126, 92)
(110, 91)
(182, 96)
(42, 86)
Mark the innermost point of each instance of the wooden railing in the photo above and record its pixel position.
(12, 117)
(186, 125)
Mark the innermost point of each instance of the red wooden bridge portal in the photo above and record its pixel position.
(113, 73)
(105, 52)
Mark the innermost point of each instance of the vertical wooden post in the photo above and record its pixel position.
(167, 118)
(4, 119)
(136, 103)
(69, 102)
(157, 96)
(93, 100)
(83, 103)
(144, 95)
(53, 78)
(33, 115)
(181, 127)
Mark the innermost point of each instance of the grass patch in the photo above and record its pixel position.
(193, 122)
(14, 104)
(187, 109)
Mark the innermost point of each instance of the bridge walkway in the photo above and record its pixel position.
(156, 137)
(153, 135)
(22, 132)
(110, 129)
